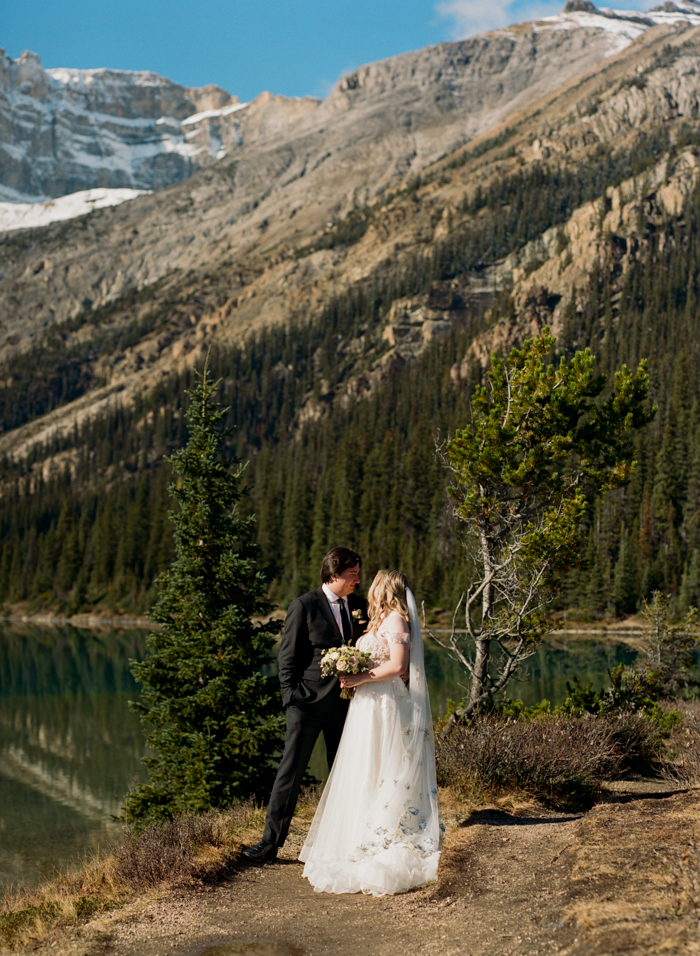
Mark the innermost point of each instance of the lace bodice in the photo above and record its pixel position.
(376, 643)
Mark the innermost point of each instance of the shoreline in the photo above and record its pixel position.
(80, 620)
(624, 629)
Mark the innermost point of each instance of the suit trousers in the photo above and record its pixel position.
(303, 728)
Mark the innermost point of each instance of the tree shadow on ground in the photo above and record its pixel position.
(500, 818)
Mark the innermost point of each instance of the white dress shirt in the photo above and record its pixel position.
(334, 602)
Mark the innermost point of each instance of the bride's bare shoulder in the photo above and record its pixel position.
(395, 622)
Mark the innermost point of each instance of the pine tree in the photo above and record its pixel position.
(538, 437)
(624, 590)
(208, 712)
(668, 651)
(689, 594)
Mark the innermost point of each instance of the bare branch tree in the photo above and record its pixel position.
(668, 650)
(541, 442)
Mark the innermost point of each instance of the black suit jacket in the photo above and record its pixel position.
(309, 631)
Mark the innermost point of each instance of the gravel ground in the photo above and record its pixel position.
(518, 881)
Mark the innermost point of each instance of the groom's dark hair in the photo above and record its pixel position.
(338, 560)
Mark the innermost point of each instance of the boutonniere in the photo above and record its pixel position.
(357, 616)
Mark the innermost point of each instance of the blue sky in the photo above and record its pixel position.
(292, 47)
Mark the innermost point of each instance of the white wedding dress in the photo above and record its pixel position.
(376, 829)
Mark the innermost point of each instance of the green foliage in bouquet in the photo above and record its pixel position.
(210, 716)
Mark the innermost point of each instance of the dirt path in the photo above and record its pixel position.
(510, 883)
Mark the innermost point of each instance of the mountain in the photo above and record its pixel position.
(68, 130)
(63, 131)
(351, 263)
(298, 168)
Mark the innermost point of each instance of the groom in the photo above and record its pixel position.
(327, 617)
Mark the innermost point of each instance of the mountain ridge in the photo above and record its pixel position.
(250, 202)
(146, 132)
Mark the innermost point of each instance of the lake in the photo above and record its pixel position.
(70, 747)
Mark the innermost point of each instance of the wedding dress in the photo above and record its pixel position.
(376, 829)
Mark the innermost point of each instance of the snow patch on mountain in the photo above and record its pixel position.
(15, 215)
(213, 114)
(622, 26)
(622, 31)
(64, 131)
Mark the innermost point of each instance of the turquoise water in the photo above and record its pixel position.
(543, 677)
(70, 747)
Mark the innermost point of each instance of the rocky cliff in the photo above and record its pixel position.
(313, 199)
(351, 264)
(65, 130)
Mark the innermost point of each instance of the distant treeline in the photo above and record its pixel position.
(98, 533)
(647, 536)
(365, 472)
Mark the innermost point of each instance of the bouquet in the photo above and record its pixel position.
(341, 661)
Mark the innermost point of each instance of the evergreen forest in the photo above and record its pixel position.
(364, 472)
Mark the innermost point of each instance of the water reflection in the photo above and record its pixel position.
(544, 676)
(69, 745)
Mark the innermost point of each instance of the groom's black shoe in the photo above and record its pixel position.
(262, 852)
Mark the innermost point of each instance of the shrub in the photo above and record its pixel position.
(560, 761)
(640, 739)
(187, 848)
(14, 922)
(638, 723)
(629, 691)
(86, 906)
(685, 743)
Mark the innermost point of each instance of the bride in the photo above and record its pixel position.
(376, 829)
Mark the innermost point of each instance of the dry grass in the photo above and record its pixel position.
(684, 880)
(189, 850)
(73, 897)
(634, 886)
(307, 803)
(184, 850)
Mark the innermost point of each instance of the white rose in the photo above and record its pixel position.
(341, 666)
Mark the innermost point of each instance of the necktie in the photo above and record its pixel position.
(347, 630)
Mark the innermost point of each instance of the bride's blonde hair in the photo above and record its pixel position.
(387, 593)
